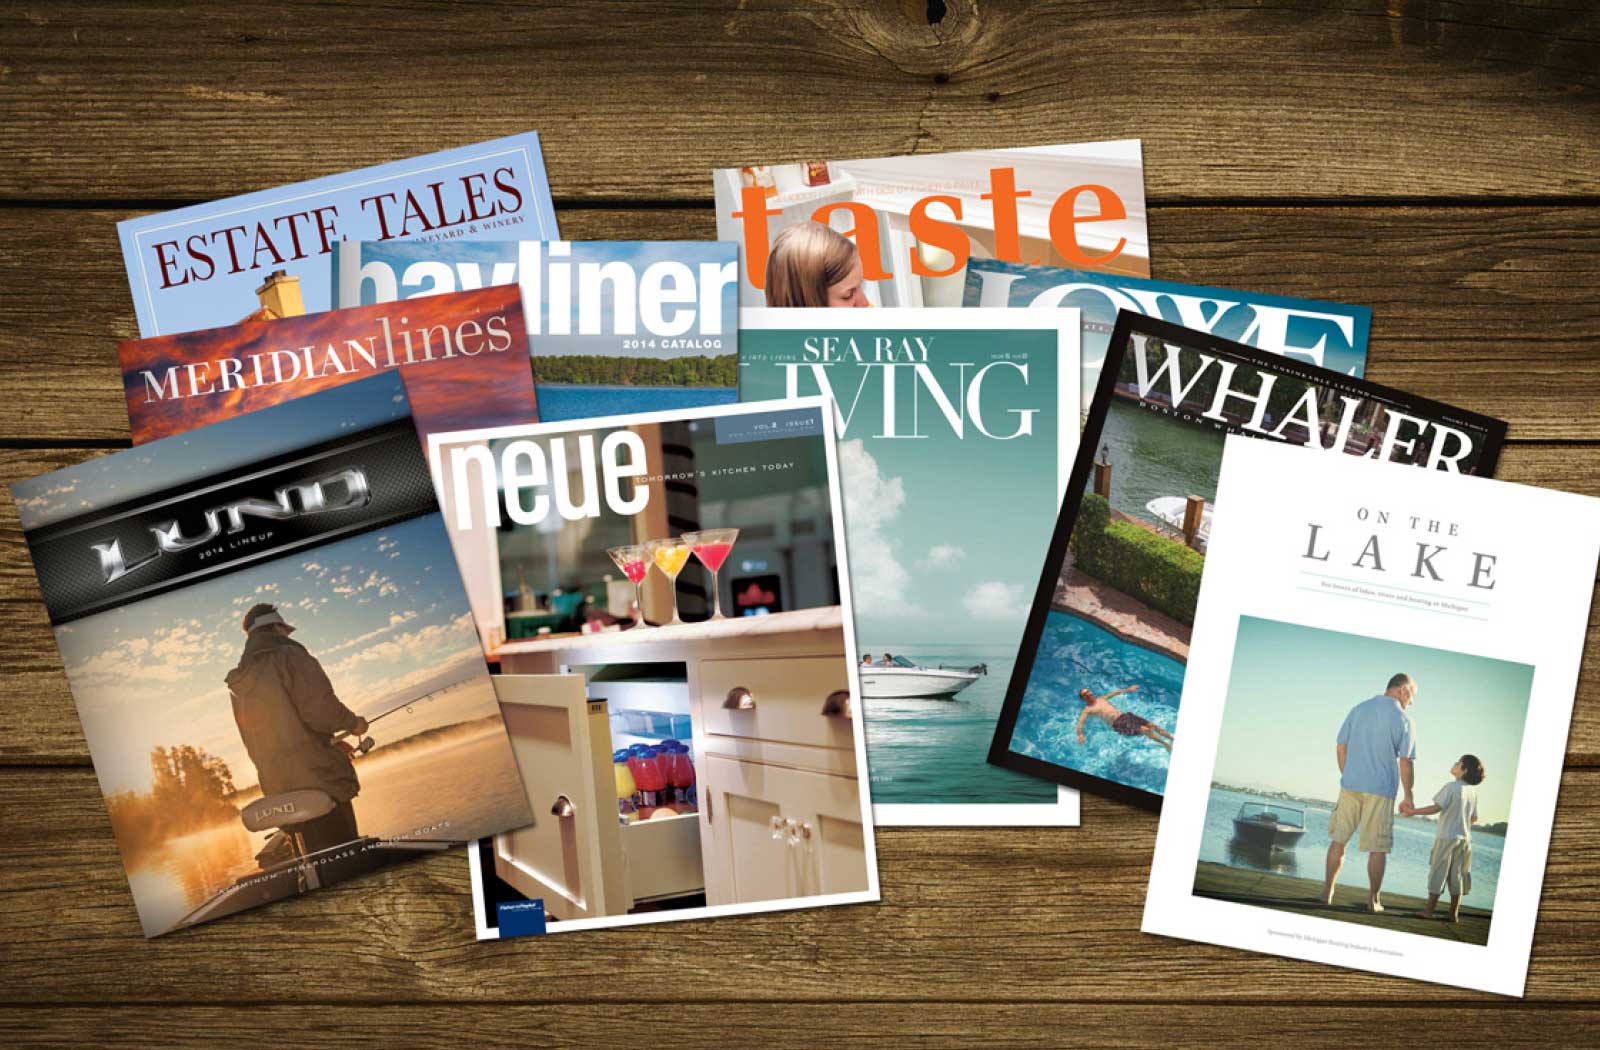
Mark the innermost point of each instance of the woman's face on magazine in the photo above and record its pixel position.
(849, 292)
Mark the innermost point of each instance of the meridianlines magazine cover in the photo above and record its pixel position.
(1328, 335)
(1375, 716)
(900, 231)
(1094, 696)
(958, 429)
(614, 326)
(262, 255)
(271, 653)
(679, 676)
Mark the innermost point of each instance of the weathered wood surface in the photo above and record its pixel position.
(1437, 161)
(967, 915)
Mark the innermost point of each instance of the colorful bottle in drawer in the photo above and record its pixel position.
(627, 790)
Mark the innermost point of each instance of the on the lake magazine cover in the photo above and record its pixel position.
(1375, 716)
(1328, 335)
(464, 355)
(678, 676)
(264, 254)
(913, 223)
(614, 326)
(1095, 692)
(271, 653)
(957, 434)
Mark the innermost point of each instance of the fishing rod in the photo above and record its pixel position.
(366, 743)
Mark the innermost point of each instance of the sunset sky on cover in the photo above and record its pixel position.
(489, 389)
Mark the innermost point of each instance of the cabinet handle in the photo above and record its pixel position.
(739, 699)
(563, 807)
(839, 703)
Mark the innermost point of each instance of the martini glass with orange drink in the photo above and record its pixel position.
(670, 556)
(712, 547)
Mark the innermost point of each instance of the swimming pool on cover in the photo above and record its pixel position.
(1076, 654)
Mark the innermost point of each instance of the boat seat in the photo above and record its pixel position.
(286, 809)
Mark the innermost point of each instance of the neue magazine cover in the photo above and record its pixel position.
(1375, 716)
(1094, 696)
(271, 653)
(614, 327)
(679, 676)
(958, 429)
(263, 255)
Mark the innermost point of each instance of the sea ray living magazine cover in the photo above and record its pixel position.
(1375, 716)
(614, 326)
(679, 676)
(271, 653)
(958, 430)
(1095, 693)
(903, 229)
(264, 254)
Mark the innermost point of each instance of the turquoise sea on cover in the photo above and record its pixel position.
(936, 751)
(1075, 654)
(563, 401)
(1407, 871)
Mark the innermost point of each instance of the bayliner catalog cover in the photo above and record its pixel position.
(614, 326)
(958, 431)
(1375, 716)
(264, 255)
(679, 678)
(271, 653)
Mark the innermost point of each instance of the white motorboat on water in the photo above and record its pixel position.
(903, 679)
(1170, 510)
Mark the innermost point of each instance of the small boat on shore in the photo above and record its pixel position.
(1269, 827)
(1170, 510)
(904, 680)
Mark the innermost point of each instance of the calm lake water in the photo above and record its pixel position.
(563, 401)
(1407, 872)
(1154, 456)
(1075, 654)
(468, 778)
(936, 751)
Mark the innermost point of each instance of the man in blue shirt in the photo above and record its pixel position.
(1377, 752)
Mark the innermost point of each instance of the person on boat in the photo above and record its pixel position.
(888, 660)
(812, 264)
(287, 714)
(1450, 864)
(1377, 750)
(1125, 722)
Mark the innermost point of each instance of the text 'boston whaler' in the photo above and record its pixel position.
(902, 678)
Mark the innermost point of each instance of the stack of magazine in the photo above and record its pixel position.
(658, 575)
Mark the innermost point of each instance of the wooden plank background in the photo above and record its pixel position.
(1436, 160)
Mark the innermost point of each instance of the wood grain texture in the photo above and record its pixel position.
(1017, 916)
(1281, 98)
(1489, 309)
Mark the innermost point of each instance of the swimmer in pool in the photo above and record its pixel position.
(1125, 722)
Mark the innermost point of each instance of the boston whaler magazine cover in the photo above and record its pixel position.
(679, 674)
(614, 326)
(904, 228)
(1374, 721)
(958, 429)
(271, 653)
(1095, 694)
(264, 254)
(1328, 335)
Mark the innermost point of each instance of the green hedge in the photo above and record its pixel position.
(1163, 573)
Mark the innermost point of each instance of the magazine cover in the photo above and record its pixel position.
(1375, 718)
(464, 356)
(958, 429)
(1328, 335)
(262, 255)
(679, 679)
(1094, 696)
(614, 326)
(900, 231)
(271, 653)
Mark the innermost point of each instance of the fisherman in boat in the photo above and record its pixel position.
(1124, 722)
(287, 714)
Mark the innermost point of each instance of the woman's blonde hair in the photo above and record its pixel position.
(806, 259)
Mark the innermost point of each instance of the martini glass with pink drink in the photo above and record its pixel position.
(712, 547)
(634, 561)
